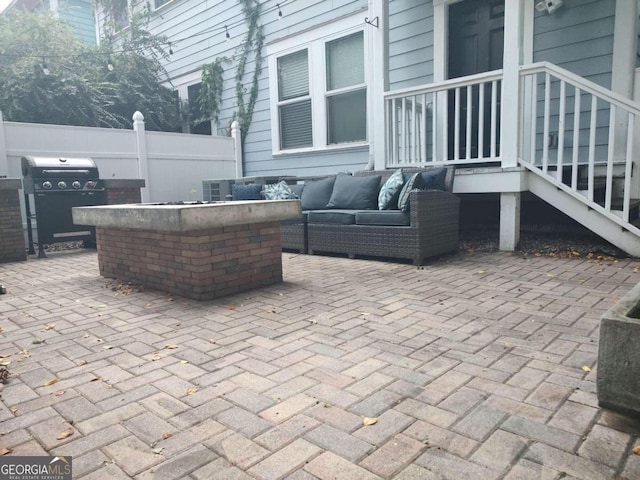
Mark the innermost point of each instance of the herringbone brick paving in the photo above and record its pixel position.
(477, 366)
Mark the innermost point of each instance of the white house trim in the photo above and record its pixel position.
(379, 46)
(314, 41)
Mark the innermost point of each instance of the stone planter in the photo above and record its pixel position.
(618, 378)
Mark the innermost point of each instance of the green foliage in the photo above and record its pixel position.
(79, 89)
(212, 82)
(210, 96)
(253, 41)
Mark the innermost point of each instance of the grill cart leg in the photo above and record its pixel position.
(31, 250)
(41, 253)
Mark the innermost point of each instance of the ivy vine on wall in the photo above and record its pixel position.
(212, 74)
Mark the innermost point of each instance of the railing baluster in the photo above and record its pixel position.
(494, 117)
(469, 112)
(592, 145)
(403, 130)
(545, 128)
(612, 135)
(534, 116)
(628, 169)
(434, 127)
(413, 138)
(561, 119)
(456, 126)
(444, 106)
(576, 139)
(481, 121)
(423, 129)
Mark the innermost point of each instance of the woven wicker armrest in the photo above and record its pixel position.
(433, 207)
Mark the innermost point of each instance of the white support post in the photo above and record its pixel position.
(236, 134)
(513, 52)
(623, 63)
(509, 221)
(379, 81)
(440, 52)
(143, 160)
(4, 161)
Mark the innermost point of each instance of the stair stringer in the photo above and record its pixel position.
(622, 234)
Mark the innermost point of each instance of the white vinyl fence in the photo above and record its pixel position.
(172, 164)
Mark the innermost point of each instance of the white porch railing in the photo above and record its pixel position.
(455, 121)
(580, 136)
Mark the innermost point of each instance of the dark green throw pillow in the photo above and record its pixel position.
(355, 193)
(434, 179)
(316, 194)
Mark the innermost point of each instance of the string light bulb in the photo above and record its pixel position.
(279, 11)
(109, 64)
(170, 49)
(45, 67)
(226, 33)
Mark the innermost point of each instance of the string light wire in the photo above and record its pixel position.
(212, 30)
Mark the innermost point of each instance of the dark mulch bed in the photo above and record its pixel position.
(556, 244)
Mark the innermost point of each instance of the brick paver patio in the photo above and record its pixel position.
(477, 366)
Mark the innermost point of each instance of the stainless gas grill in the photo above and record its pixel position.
(56, 186)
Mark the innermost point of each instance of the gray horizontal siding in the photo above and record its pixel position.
(578, 37)
(79, 14)
(180, 19)
(410, 43)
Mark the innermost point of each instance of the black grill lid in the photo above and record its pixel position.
(55, 167)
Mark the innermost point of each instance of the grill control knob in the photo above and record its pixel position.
(62, 185)
(76, 185)
(47, 185)
(89, 185)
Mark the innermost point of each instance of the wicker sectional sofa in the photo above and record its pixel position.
(429, 228)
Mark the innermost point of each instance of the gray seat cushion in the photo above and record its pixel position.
(301, 219)
(342, 217)
(383, 217)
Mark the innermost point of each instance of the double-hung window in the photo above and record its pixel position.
(318, 90)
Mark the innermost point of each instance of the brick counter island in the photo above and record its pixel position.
(200, 251)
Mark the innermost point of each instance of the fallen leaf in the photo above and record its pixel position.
(155, 357)
(67, 433)
(19, 359)
(100, 340)
(231, 307)
(59, 393)
(107, 347)
(562, 474)
(171, 347)
(51, 382)
(366, 421)
(95, 379)
(1, 329)
(4, 451)
(365, 313)
(192, 390)
(167, 435)
(184, 361)
(281, 294)
(272, 310)
(13, 410)
(551, 275)
(50, 326)
(24, 353)
(169, 299)
(82, 362)
(157, 450)
(4, 364)
(37, 341)
(86, 335)
(149, 305)
(212, 340)
(585, 368)
(482, 271)
(636, 450)
(5, 355)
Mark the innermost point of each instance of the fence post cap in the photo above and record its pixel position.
(138, 117)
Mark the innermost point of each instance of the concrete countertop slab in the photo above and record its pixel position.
(188, 216)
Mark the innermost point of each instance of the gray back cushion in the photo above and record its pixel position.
(355, 193)
(316, 194)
